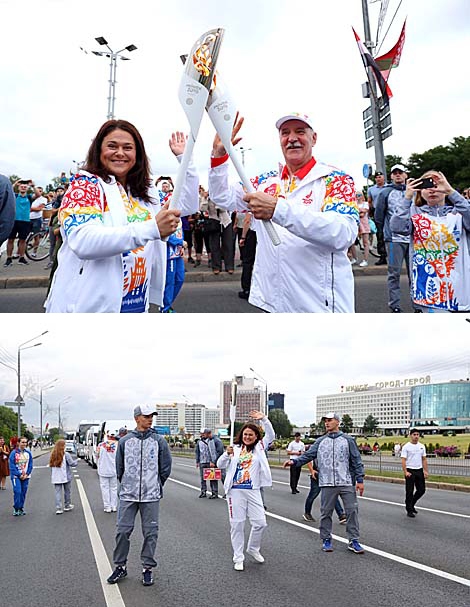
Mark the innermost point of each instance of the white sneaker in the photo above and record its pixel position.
(107, 510)
(59, 511)
(238, 566)
(353, 261)
(256, 555)
(113, 509)
(69, 507)
(363, 264)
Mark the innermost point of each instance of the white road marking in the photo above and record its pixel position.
(111, 592)
(369, 549)
(401, 504)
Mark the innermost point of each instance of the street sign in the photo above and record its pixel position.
(14, 404)
(385, 123)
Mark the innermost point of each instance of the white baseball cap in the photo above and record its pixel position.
(399, 167)
(144, 410)
(294, 116)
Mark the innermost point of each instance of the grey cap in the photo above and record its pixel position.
(331, 415)
(144, 410)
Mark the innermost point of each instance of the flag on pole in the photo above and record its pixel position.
(391, 59)
(233, 408)
(368, 61)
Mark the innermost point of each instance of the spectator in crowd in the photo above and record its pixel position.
(188, 236)
(220, 238)
(340, 474)
(248, 471)
(122, 432)
(61, 464)
(22, 225)
(4, 467)
(106, 455)
(364, 227)
(208, 450)
(35, 216)
(205, 223)
(21, 466)
(247, 245)
(466, 193)
(415, 469)
(143, 465)
(313, 207)
(56, 201)
(438, 222)
(372, 195)
(113, 258)
(294, 450)
(7, 208)
(389, 199)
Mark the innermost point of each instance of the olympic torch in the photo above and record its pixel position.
(193, 93)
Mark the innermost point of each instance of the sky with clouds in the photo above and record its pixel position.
(107, 364)
(276, 57)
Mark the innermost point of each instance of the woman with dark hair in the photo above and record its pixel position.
(438, 220)
(113, 256)
(248, 471)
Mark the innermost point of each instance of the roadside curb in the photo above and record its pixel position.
(42, 281)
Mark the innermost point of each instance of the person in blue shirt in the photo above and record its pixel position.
(22, 226)
(21, 466)
(7, 208)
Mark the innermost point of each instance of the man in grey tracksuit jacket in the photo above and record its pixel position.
(143, 464)
(340, 470)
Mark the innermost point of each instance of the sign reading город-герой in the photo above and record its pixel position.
(397, 383)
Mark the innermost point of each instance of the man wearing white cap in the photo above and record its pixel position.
(390, 198)
(143, 464)
(313, 207)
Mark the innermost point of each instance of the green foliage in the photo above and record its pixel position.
(54, 434)
(346, 424)
(281, 424)
(371, 424)
(9, 424)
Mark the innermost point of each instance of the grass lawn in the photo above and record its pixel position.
(462, 441)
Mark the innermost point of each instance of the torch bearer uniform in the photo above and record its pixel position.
(247, 472)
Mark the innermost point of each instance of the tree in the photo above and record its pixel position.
(237, 426)
(8, 423)
(281, 424)
(54, 434)
(371, 424)
(346, 424)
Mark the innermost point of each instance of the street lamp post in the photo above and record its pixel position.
(47, 386)
(243, 151)
(113, 57)
(260, 378)
(19, 398)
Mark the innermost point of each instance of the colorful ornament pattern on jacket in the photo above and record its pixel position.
(435, 250)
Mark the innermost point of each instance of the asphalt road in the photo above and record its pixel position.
(48, 559)
(371, 296)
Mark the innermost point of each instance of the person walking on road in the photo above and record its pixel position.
(143, 465)
(415, 469)
(248, 471)
(4, 468)
(340, 473)
(314, 492)
(106, 455)
(294, 449)
(61, 463)
(21, 466)
(208, 450)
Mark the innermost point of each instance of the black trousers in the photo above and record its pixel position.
(294, 476)
(415, 481)
(381, 250)
(248, 259)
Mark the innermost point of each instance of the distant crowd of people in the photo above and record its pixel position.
(125, 236)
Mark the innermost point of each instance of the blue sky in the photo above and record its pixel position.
(277, 57)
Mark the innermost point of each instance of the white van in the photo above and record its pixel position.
(112, 426)
(91, 442)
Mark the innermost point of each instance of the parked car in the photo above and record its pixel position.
(70, 446)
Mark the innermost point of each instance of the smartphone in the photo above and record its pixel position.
(425, 184)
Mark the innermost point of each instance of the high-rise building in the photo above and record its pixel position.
(275, 401)
(249, 398)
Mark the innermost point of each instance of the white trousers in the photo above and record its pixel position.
(242, 503)
(108, 486)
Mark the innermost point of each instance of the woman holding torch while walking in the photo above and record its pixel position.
(247, 471)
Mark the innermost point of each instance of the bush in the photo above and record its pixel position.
(451, 451)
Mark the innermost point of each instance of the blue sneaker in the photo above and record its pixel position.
(356, 547)
(147, 577)
(327, 545)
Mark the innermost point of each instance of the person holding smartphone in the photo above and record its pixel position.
(437, 218)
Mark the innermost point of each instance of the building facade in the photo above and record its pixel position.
(186, 418)
(400, 404)
(276, 401)
(444, 406)
(249, 398)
